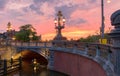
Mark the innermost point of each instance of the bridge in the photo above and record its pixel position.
(101, 54)
(79, 59)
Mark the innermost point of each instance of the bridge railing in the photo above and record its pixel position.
(93, 50)
(27, 44)
(8, 66)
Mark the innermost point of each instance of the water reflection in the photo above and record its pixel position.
(28, 69)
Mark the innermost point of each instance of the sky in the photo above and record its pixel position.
(83, 17)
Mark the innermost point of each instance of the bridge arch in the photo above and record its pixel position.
(67, 55)
(77, 65)
(29, 55)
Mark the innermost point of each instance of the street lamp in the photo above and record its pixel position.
(30, 36)
(9, 32)
(14, 38)
(9, 28)
(103, 19)
(59, 25)
(108, 1)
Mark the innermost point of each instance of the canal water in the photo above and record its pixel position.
(29, 70)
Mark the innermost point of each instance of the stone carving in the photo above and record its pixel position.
(115, 18)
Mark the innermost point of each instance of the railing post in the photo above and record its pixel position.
(21, 43)
(109, 54)
(86, 49)
(5, 66)
(15, 43)
(65, 44)
(11, 61)
(53, 44)
(29, 43)
(45, 44)
(20, 63)
(36, 43)
(97, 51)
(75, 45)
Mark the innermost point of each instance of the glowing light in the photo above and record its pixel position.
(108, 1)
(35, 68)
(13, 38)
(12, 57)
(30, 36)
(64, 20)
(34, 61)
(12, 67)
(55, 21)
(32, 30)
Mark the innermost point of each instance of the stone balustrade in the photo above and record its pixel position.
(28, 44)
(102, 54)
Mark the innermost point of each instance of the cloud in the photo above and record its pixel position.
(49, 8)
(18, 4)
(92, 1)
(18, 9)
(67, 11)
(76, 22)
(39, 1)
(3, 4)
(34, 8)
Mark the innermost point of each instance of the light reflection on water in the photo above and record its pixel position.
(29, 70)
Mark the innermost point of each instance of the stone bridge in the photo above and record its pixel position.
(38, 47)
(101, 54)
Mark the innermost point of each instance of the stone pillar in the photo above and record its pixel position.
(115, 36)
(51, 60)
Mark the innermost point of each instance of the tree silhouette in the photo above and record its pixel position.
(25, 32)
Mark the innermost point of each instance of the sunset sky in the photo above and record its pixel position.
(83, 17)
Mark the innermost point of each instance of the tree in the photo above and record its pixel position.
(25, 32)
(92, 38)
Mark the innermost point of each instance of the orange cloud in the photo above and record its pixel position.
(70, 35)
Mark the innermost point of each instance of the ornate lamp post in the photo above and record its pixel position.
(9, 31)
(59, 25)
(30, 36)
(9, 28)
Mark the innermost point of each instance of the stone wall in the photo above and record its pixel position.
(76, 65)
